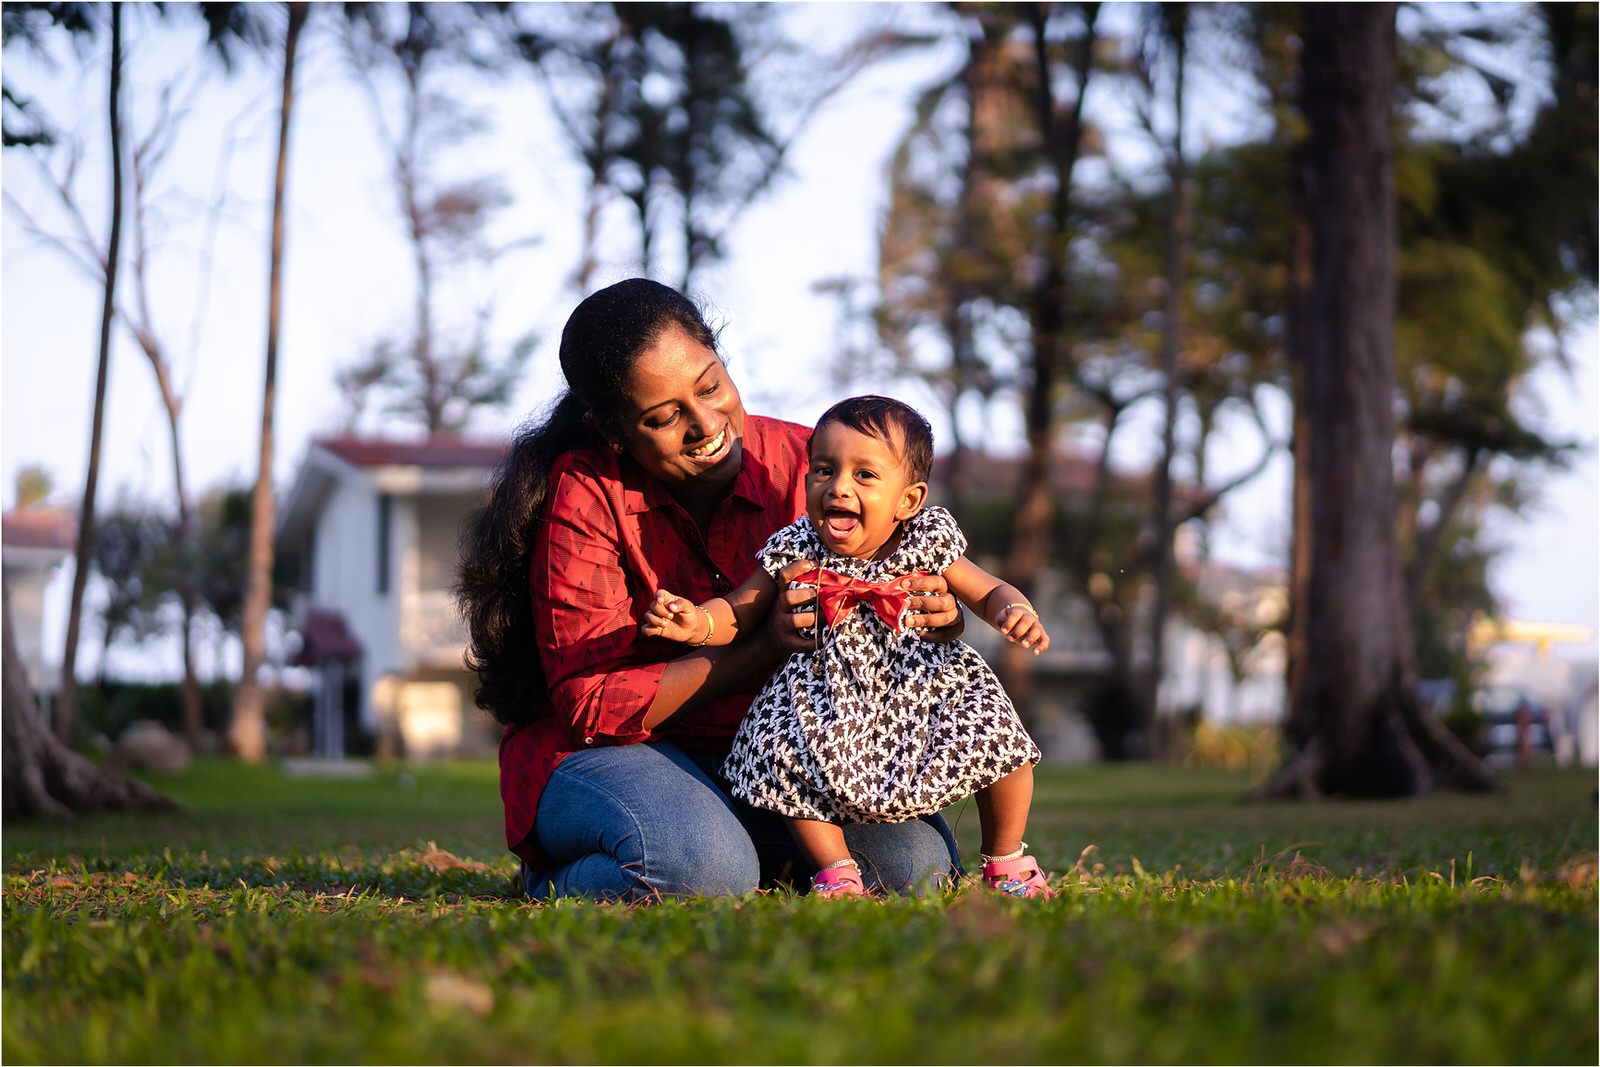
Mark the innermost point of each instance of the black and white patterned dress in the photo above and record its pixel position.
(893, 726)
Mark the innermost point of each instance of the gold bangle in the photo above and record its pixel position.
(711, 628)
(1025, 607)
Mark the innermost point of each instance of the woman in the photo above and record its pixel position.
(647, 473)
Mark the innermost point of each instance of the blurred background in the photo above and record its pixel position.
(866, 198)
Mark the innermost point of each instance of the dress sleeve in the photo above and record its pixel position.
(939, 541)
(584, 616)
(795, 541)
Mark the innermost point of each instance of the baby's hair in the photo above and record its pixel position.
(898, 425)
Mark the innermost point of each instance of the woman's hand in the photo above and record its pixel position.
(937, 616)
(794, 632)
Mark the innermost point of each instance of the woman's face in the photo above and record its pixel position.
(683, 421)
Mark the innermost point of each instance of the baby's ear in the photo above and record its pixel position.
(911, 501)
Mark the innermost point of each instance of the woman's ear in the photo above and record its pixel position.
(612, 441)
(911, 500)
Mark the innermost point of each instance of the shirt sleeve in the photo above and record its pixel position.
(584, 616)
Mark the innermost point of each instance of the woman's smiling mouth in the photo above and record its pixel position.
(714, 449)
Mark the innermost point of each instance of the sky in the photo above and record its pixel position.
(347, 284)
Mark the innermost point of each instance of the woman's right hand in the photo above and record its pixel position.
(794, 632)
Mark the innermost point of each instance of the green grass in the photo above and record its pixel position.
(370, 921)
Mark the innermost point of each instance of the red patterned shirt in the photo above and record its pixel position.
(612, 536)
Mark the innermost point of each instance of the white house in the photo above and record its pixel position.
(373, 526)
(35, 542)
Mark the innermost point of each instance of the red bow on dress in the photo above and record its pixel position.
(839, 595)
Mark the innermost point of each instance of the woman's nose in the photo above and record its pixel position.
(702, 421)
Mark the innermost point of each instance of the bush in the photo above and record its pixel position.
(1257, 749)
(109, 709)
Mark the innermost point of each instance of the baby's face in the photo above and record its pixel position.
(858, 491)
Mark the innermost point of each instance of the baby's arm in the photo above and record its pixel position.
(716, 622)
(998, 603)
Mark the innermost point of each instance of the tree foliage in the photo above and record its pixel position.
(437, 372)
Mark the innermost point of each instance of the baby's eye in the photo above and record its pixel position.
(822, 471)
(866, 476)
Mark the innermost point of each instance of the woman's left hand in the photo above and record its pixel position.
(938, 616)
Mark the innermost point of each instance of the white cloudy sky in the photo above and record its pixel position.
(347, 283)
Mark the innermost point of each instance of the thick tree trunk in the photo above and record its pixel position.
(42, 776)
(67, 699)
(248, 730)
(1355, 725)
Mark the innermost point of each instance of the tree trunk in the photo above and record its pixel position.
(1355, 726)
(41, 775)
(188, 595)
(248, 730)
(67, 699)
(1030, 531)
(1176, 235)
(1047, 315)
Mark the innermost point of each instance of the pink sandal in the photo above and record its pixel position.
(1020, 877)
(838, 882)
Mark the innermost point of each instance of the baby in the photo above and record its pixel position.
(877, 724)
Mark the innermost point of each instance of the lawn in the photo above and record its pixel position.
(294, 920)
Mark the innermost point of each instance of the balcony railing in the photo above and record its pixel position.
(431, 628)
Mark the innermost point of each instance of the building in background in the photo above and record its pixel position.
(35, 541)
(371, 528)
(1556, 695)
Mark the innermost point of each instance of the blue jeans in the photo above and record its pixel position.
(639, 822)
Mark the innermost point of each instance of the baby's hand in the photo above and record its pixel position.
(671, 618)
(1021, 626)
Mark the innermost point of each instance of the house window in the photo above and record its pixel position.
(440, 520)
(385, 507)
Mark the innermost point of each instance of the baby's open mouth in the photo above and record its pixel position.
(711, 447)
(840, 524)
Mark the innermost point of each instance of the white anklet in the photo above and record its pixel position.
(1017, 855)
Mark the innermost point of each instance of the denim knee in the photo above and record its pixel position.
(909, 858)
(711, 864)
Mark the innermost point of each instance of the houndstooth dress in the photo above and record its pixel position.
(894, 726)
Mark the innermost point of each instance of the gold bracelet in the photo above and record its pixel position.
(711, 629)
(1025, 607)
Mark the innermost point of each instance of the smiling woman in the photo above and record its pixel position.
(687, 427)
(647, 473)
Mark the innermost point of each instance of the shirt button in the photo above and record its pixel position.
(718, 576)
(588, 740)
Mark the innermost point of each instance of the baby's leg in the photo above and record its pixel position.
(1003, 811)
(822, 842)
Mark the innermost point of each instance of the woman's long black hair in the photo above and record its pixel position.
(603, 338)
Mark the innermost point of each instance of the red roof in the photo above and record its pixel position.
(439, 451)
(39, 528)
(326, 636)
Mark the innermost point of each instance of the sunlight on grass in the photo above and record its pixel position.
(373, 921)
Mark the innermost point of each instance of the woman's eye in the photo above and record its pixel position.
(661, 424)
(711, 389)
